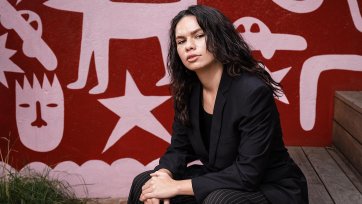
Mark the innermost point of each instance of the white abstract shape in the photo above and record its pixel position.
(6, 169)
(6, 65)
(355, 13)
(299, 6)
(311, 70)
(100, 179)
(104, 20)
(33, 44)
(40, 114)
(134, 109)
(266, 41)
(278, 76)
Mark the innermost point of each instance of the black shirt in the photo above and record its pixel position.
(205, 126)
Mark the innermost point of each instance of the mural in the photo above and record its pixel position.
(311, 71)
(355, 13)
(40, 114)
(84, 91)
(33, 44)
(133, 114)
(6, 65)
(116, 21)
(304, 6)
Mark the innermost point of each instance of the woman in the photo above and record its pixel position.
(226, 117)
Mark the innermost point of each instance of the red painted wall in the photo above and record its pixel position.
(332, 53)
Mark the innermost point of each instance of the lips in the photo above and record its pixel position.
(192, 58)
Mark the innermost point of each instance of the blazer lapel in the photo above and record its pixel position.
(218, 114)
(195, 121)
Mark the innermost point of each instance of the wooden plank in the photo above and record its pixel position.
(316, 190)
(347, 167)
(338, 185)
(107, 201)
(348, 145)
(348, 118)
(353, 98)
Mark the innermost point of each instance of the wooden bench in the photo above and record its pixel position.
(347, 126)
(331, 178)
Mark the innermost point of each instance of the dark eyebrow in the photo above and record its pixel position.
(192, 33)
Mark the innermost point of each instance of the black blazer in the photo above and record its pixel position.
(246, 148)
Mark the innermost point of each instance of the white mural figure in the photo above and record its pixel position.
(278, 77)
(355, 13)
(311, 70)
(6, 65)
(33, 44)
(266, 41)
(104, 20)
(299, 6)
(134, 109)
(40, 114)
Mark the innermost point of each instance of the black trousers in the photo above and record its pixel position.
(221, 196)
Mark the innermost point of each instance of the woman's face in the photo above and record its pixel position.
(191, 44)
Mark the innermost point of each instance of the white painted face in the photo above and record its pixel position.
(40, 114)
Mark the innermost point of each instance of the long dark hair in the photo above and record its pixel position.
(227, 46)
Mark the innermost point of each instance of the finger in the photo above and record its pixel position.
(157, 173)
(147, 184)
(155, 201)
(154, 174)
(143, 198)
(147, 190)
(148, 195)
(166, 201)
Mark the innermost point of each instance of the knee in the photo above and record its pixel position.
(214, 197)
(141, 179)
(136, 187)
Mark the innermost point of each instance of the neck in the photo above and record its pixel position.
(210, 77)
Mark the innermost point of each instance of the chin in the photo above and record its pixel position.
(194, 67)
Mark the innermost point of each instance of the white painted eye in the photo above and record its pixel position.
(24, 105)
(52, 105)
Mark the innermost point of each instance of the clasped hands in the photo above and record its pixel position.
(159, 187)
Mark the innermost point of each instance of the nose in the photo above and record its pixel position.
(39, 122)
(190, 45)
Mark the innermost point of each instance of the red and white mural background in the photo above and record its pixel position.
(83, 87)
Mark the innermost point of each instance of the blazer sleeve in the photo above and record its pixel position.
(257, 127)
(180, 151)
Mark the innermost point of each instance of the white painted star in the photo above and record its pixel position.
(134, 109)
(6, 65)
(278, 77)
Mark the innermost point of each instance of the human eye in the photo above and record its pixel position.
(179, 42)
(200, 35)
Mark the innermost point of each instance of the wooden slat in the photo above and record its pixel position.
(353, 98)
(348, 145)
(347, 167)
(316, 190)
(349, 118)
(107, 201)
(338, 185)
